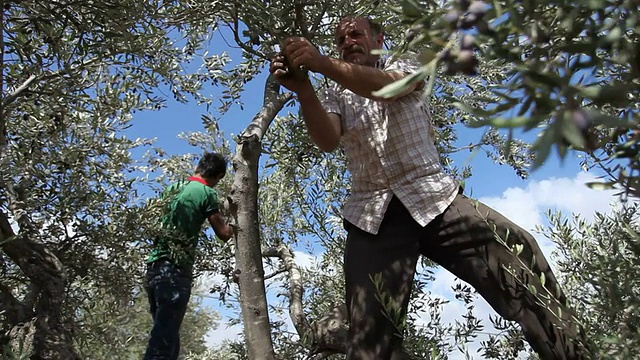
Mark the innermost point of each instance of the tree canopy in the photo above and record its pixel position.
(76, 210)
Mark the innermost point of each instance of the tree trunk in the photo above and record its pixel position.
(244, 193)
(47, 336)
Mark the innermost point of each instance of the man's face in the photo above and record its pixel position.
(355, 41)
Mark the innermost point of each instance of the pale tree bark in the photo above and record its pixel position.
(244, 193)
(325, 336)
(36, 328)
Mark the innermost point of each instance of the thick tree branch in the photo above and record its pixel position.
(273, 103)
(296, 290)
(244, 193)
(14, 310)
(324, 336)
(17, 199)
(45, 271)
(300, 19)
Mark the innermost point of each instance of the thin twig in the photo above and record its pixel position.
(14, 94)
(244, 46)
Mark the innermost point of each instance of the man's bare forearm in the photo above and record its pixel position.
(362, 80)
(323, 129)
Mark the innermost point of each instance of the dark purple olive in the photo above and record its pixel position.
(464, 4)
(484, 27)
(411, 32)
(445, 54)
(581, 120)
(452, 18)
(467, 42)
(467, 61)
(478, 8)
(451, 68)
(468, 21)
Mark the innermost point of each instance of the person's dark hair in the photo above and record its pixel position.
(376, 27)
(211, 165)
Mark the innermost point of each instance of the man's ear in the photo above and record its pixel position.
(380, 40)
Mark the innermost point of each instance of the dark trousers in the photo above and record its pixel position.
(169, 289)
(463, 241)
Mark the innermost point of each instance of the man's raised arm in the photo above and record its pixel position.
(324, 128)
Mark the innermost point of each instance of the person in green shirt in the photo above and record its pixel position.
(187, 204)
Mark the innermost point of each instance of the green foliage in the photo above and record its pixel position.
(74, 73)
(571, 70)
(301, 189)
(112, 328)
(599, 266)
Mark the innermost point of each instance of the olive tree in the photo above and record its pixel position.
(598, 264)
(71, 224)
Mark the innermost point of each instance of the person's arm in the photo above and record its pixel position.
(223, 230)
(360, 79)
(363, 80)
(324, 128)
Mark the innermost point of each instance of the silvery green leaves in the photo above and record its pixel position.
(599, 261)
(571, 67)
(75, 72)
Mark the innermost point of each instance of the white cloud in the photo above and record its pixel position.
(526, 206)
(306, 260)
(216, 337)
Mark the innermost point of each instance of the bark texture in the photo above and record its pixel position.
(244, 192)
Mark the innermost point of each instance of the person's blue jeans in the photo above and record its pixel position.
(169, 289)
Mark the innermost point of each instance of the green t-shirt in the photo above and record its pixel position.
(188, 204)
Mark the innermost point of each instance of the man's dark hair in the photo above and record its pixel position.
(211, 165)
(376, 27)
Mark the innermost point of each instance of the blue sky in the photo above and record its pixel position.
(490, 182)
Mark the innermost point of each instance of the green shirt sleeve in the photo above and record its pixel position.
(211, 204)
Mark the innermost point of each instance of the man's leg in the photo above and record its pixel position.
(466, 245)
(150, 293)
(171, 289)
(380, 268)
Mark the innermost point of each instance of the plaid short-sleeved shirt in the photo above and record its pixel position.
(390, 151)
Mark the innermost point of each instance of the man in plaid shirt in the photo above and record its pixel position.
(403, 204)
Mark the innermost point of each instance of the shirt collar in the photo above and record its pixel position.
(200, 180)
